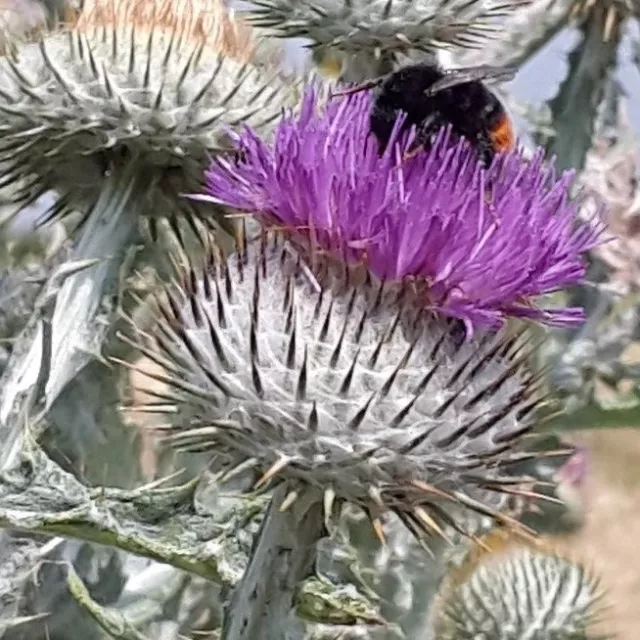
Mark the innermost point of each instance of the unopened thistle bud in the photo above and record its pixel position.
(350, 390)
(509, 590)
(478, 244)
(383, 26)
(142, 85)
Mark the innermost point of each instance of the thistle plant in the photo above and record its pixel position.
(348, 394)
(372, 243)
(130, 88)
(487, 245)
(354, 365)
(117, 114)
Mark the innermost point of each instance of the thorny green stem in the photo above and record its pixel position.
(283, 555)
(166, 524)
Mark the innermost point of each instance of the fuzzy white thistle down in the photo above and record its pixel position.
(350, 391)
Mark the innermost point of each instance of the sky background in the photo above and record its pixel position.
(538, 80)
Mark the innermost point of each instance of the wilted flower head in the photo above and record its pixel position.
(140, 88)
(480, 245)
(353, 392)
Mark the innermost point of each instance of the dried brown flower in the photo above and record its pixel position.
(208, 21)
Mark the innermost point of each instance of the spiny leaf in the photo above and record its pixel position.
(575, 106)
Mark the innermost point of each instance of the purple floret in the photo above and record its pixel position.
(485, 242)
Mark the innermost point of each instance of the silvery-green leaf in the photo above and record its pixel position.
(575, 105)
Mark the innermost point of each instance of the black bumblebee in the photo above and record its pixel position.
(432, 98)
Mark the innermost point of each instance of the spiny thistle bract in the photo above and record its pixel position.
(511, 589)
(481, 245)
(131, 84)
(384, 25)
(351, 390)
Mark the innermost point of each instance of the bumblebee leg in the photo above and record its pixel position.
(240, 155)
(413, 151)
(381, 122)
(485, 150)
(486, 154)
(429, 127)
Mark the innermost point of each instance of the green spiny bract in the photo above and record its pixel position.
(521, 592)
(383, 26)
(349, 391)
(80, 104)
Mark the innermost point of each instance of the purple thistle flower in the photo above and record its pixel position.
(481, 243)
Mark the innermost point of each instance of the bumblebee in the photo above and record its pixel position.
(432, 98)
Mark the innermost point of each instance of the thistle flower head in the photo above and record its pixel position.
(352, 391)
(131, 84)
(514, 590)
(383, 25)
(479, 244)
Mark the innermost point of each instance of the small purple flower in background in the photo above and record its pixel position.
(480, 244)
(576, 470)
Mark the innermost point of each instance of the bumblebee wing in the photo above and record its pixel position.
(471, 74)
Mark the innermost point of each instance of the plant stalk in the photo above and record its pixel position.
(283, 555)
(160, 522)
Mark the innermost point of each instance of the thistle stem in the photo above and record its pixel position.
(283, 555)
(156, 521)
